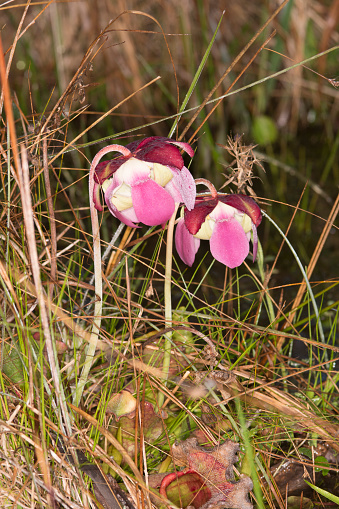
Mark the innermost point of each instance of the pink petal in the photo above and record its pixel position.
(153, 205)
(229, 244)
(223, 212)
(186, 245)
(184, 182)
(127, 217)
(173, 189)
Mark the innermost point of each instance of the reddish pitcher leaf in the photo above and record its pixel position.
(185, 489)
(151, 421)
(208, 480)
(122, 404)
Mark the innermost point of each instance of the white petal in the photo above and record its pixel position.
(122, 198)
(206, 229)
(161, 174)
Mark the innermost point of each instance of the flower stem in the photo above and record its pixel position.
(97, 273)
(168, 301)
(208, 184)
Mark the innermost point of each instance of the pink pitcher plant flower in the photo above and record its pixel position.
(227, 220)
(143, 184)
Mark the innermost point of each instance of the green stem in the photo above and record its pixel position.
(168, 301)
(97, 273)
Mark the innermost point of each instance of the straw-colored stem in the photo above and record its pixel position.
(168, 301)
(53, 275)
(97, 272)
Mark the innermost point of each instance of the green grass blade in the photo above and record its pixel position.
(196, 78)
(324, 493)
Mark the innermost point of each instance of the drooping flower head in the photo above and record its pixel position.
(144, 183)
(226, 220)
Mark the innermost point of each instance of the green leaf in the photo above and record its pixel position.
(306, 452)
(12, 365)
(321, 461)
(324, 493)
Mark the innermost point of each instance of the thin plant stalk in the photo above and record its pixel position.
(97, 273)
(8, 225)
(52, 220)
(168, 301)
(104, 257)
(260, 260)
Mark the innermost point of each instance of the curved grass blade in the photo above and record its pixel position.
(324, 493)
